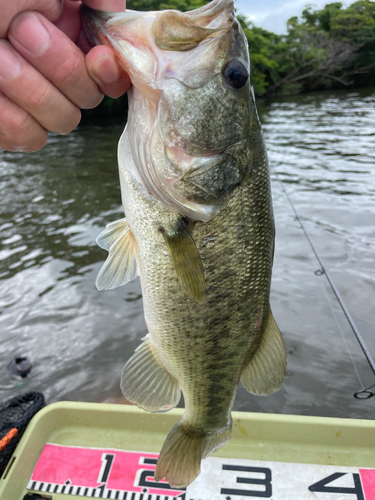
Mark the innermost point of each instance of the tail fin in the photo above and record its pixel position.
(180, 458)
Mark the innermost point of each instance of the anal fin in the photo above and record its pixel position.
(186, 260)
(264, 372)
(146, 383)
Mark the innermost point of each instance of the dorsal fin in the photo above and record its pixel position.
(121, 264)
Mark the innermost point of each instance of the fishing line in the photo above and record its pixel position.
(343, 336)
(364, 393)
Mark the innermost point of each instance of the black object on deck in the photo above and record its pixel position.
(15, 414)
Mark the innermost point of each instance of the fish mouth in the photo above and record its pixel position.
(93, 23)
(172, 30)
(139, 38)
(184, 172)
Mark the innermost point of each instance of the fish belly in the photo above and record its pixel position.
(204, 345)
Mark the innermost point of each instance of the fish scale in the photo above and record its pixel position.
(228, 319)
(199, 225)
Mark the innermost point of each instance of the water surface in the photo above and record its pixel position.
(55, 202)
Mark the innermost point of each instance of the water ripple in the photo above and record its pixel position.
(55, 202)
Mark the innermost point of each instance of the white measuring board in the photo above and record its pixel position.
(129, 475)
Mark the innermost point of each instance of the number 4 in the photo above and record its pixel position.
(321, 487)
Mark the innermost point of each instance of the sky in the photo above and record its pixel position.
(272, 15)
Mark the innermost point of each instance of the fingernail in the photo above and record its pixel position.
(28, 30)
(10, 63)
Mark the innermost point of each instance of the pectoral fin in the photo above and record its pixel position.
(264, 373)
(186, 260)
(121, 264)
(146, 383)
(111, 232)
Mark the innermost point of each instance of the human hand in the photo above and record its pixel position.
(44, 79)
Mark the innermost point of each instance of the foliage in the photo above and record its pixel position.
(263, 44)
(182, 5)
(333, 46)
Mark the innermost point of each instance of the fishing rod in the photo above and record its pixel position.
(364, 393)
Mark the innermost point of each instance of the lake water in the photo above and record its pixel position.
(55, 202)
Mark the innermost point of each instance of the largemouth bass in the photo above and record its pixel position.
(199, 226)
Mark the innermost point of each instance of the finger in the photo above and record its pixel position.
(56, 57)
(104, 69)
(19, 131)
(25, 86)
(106, 5)
(83, 43)
(70, 20)
(51, 9)
(71, 25)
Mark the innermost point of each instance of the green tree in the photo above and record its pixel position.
(262, 46)
(321, 19)
(182, 5)
(356, 24)
(328, 47)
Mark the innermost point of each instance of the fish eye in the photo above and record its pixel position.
(236, 74)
